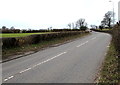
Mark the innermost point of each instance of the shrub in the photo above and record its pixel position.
(9, 42)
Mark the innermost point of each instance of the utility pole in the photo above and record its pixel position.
(119, 11)
(113, 12)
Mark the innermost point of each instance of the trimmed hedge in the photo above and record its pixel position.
(7, 30)
(34, 39)
(116, 38)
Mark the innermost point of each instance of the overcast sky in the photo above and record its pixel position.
(41, 14)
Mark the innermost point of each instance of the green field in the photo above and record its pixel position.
(105, 29)
(21, 34)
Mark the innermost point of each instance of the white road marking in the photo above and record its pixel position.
(49, 59)
(43, 62)
(8, 78)
(25, 70)
(82, 44)
(93, 38)
(86, 42)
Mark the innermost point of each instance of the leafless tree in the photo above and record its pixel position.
(69, 25)
(107, 19)
(93, 26)
(81, 22)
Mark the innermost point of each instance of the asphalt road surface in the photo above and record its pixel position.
(74, 62)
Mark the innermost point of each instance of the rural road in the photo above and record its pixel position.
(74, 62)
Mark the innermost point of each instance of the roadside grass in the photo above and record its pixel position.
(104, 29)
(6, 53)
(109, 73)
(4, 35)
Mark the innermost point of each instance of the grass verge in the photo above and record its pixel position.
(6, 53)
(109, 73)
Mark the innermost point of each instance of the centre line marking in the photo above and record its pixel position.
(43, 62)
(86, 42)
(25, 70)
(48, 60)
(93, 38)
(6, 79)
(82, 44)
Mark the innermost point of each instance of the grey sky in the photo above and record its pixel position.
(119, 11)
(41, 14)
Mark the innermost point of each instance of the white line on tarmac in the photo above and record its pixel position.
(25, 70)
(86, 42)
(49, 59)
(6, 79)
(93, 38)
(42, 62)
(82, 44)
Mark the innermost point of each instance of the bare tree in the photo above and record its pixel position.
(81, 24)
(73, 26)
(93, 26)
(107, 19)
(69, 25)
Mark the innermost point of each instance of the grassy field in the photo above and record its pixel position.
(20, 34)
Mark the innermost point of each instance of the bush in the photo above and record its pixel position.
(83, 28)
(10, 30)
(9, 42)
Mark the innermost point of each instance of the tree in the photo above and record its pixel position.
(93, 26)
(107, 19)
(69, 25)
(100, 27)
(12, 27)
(3, 27)
(83, 28)
(73, 26)
(81, 24)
